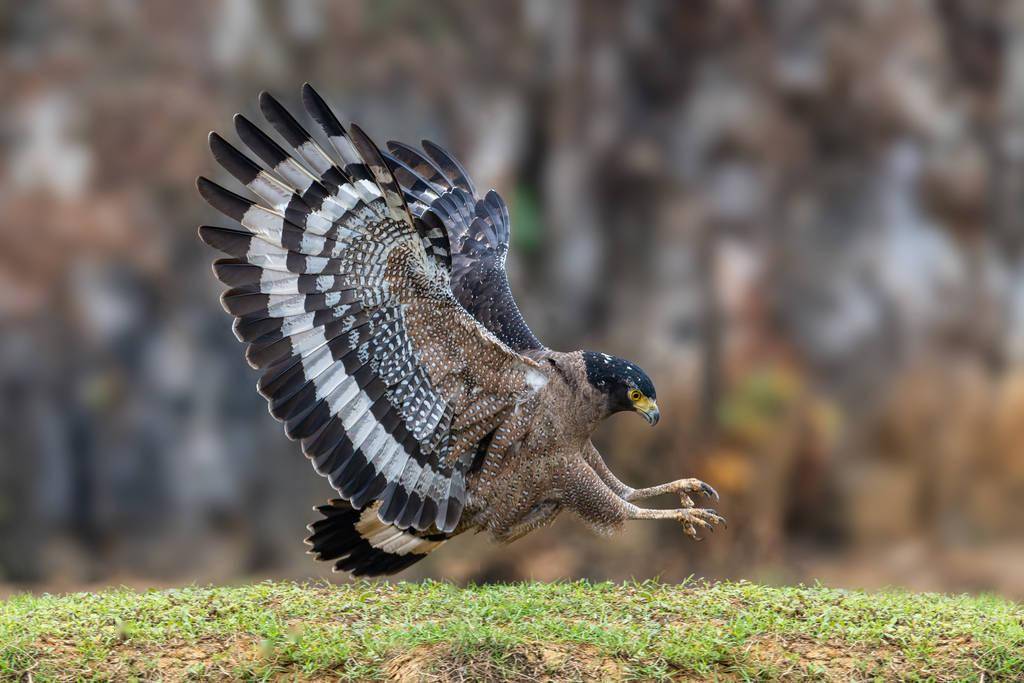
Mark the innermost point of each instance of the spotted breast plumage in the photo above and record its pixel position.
(370, 289)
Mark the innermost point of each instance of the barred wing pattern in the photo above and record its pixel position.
(439, 191)
(345, 304)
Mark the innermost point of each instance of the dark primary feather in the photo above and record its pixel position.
(451, 168)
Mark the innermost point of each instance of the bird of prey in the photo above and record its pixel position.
(370, 288)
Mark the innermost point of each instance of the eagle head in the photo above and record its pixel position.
(624, 384)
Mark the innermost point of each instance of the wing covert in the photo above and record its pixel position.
(438, 190)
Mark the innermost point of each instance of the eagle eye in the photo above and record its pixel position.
(635, 395)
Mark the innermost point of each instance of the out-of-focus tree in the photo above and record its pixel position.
(802, 218)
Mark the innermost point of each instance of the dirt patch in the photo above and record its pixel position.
(762, 657)
(527, 662)
(204, 659)
(802, 658)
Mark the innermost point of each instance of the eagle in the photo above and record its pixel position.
(370, 289)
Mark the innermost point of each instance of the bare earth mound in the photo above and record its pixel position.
(522, 632)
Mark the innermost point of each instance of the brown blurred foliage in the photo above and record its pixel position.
(803, 219)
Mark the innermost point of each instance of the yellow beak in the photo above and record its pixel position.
(648, 409)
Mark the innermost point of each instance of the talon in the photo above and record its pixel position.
(689, 530)
(692, 518)
(710, 492)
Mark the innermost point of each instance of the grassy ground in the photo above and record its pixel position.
(563, 631)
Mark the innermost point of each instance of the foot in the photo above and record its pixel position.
(693, 518)
(680, 487)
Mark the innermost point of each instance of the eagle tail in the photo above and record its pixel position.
(358, 542)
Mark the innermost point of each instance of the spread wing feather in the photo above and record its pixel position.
(343, 297)
(438, 190)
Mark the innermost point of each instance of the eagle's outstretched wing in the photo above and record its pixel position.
(438, 190)
(344, 300)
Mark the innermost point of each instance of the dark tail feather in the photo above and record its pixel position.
(359, 543)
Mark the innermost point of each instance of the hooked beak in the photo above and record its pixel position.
(648, 409)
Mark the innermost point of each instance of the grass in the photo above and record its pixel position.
(529, 631)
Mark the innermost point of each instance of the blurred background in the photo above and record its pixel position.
(803, 219)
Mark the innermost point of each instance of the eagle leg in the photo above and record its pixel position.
(588, 494)
(680, 487)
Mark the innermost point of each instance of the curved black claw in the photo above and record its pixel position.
(708, 491)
